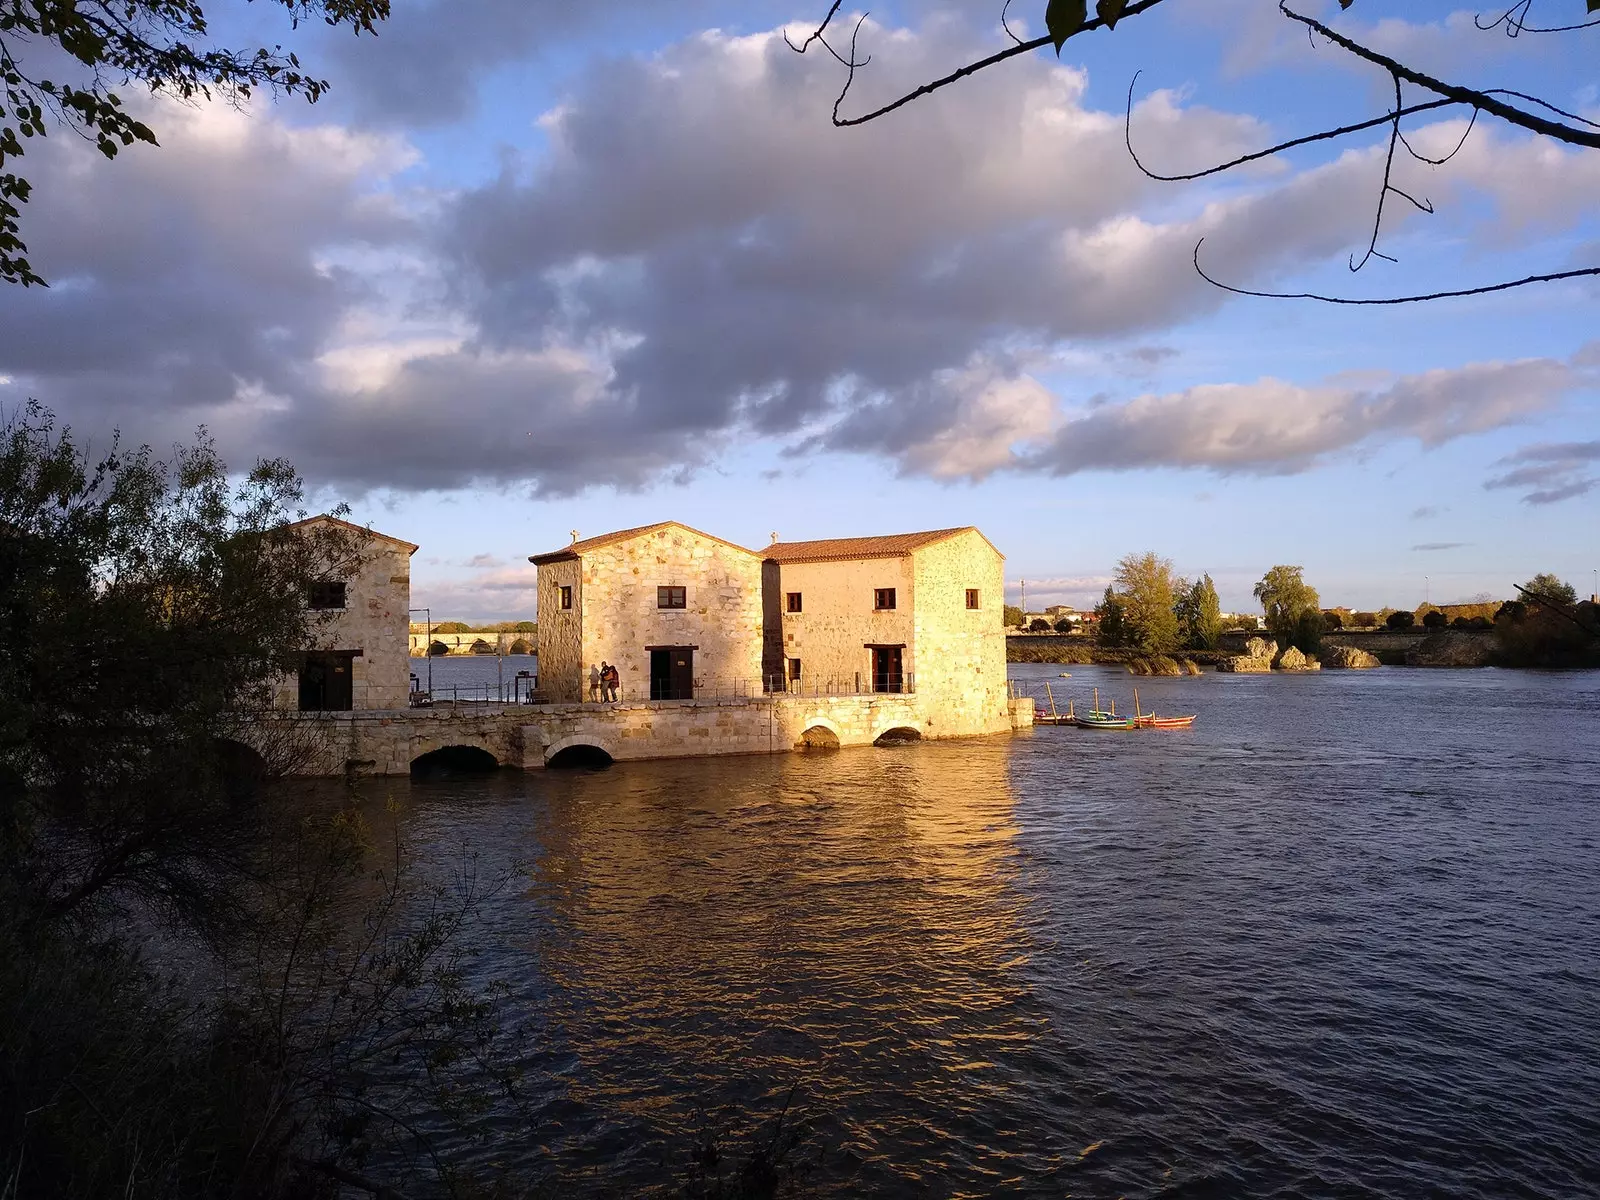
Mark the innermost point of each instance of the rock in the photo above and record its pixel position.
(1256, 660)
(1452, 648)
(1292, 659)
(1351, 658)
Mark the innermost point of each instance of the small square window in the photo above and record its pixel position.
(793, 601)
(325, 594)
(882, 598)
(672, 597)
(566, 596)
(972, 597)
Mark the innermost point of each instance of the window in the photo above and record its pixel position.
(672, 597)
(325, 594)
(972, 597)
(566, 596)
(882, 598)
(794, 601)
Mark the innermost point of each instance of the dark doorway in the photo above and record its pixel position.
(886, 674)
(672, 673)
(326, 683)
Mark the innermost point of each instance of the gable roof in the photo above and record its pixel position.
(578, 549)
(889, 545)
(324, 519)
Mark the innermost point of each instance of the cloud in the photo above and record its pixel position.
(1550, 471)
(1431, 546)
(1423, 512)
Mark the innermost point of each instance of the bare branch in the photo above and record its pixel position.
(1484, 290)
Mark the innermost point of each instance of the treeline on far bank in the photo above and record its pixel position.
(1149, 612)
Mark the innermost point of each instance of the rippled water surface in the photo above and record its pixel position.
(1340, 939)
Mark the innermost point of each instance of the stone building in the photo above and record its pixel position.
(676, 611)
(912, 612)
(360, 656)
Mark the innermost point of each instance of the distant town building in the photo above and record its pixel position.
(360, 659)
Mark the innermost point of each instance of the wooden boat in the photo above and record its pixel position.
(1105, 721)
(1151, 721)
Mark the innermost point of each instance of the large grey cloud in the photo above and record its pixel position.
(1550, 472)
(698, 257)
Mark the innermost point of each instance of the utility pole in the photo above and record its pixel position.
(1425, 592)
(1024, 597)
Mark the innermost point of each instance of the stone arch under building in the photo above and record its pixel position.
(577, 751)
(447, 761)
(898, 735)
(820, 734)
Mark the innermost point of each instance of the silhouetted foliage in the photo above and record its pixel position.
(1332, 620)
(1038, 625)
(1434, 619)
(1401, 620)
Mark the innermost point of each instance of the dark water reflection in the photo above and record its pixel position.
(1343, 938)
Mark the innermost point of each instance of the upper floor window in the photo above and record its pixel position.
(325, 594)
(793, 601)
(882, 598)
(972, 597)
(566, 596)
(672, 597)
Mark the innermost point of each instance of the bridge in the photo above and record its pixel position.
(474, 643)
(534, 736)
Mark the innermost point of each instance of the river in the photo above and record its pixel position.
(1342, 938)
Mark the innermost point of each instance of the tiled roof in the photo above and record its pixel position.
(411, 547)
(890, 545)
(622, 535)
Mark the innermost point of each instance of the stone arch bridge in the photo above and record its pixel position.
(530, 736)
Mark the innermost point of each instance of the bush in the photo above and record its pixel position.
(1063, 626)
(1038, 625)
(1332, 620)
(1401, 620)
(1434, 619)
(1364, 620)
(452, 627)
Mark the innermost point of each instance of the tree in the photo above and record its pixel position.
(1434, 619)
(1550, 590)
(1145, 591)
(452, 627)
(1063, 626)
(525, 627)
(144, 607)
(1286, 598)
(1414, 91)
(1109, 628)
(1038, 625)
(1012, 616)
(1332, 620)
(163, 45)
(1199, 614)
(1401, 620)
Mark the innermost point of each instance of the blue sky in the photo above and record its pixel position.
(532, 268)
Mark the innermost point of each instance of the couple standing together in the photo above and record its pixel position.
(604, 681)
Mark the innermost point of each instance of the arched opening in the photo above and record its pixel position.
(449, 762)
(438, 650)
(578, 756)
(819, 737)
(241, 768)
(522, 646)
(899, 736)
(480, 646)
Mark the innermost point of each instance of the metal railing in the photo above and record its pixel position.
(521, 688)
(718, 688)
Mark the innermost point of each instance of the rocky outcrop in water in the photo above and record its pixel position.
(1256, 659)
(1452, 648)
(1295, 659)
(1350, 658)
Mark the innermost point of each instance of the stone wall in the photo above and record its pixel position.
(837, 619)
(373, 621)
(961, 652)
(561, 663)
(462, 643)
(722, 617)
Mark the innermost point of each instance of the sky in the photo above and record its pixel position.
(533, 267)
